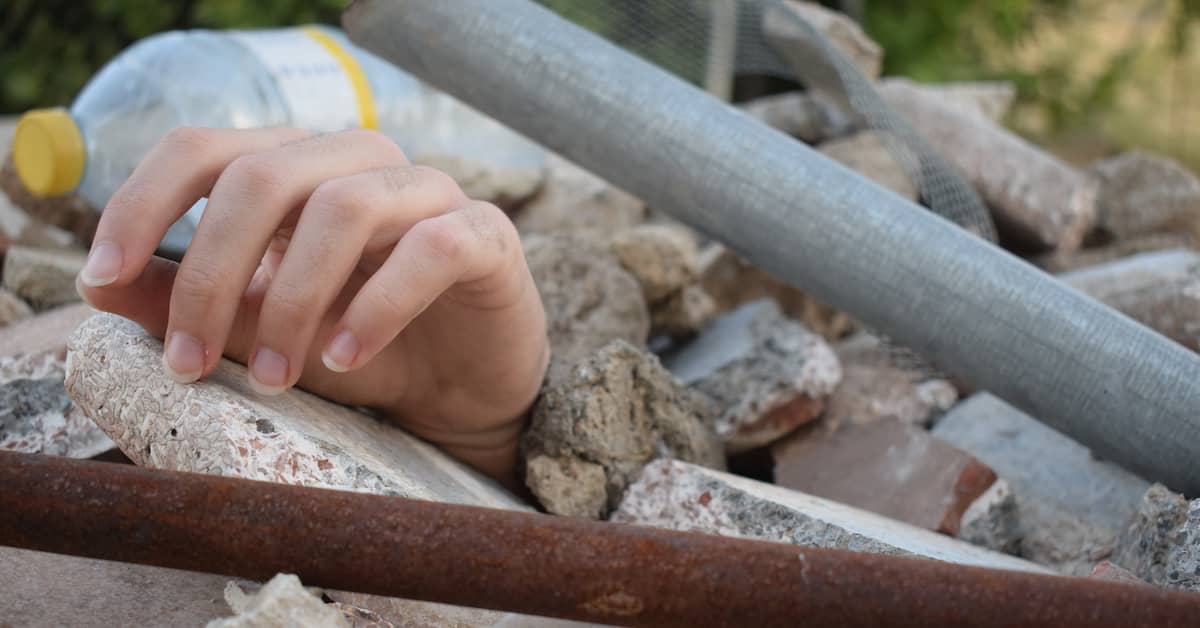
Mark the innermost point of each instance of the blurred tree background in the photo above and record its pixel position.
(1093, 76)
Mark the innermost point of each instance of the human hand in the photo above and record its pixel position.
(331, 263)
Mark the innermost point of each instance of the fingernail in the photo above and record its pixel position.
(268, 372)
(183, 358)
(103, 264)
(340, 353)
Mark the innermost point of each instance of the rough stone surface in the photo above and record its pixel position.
(281, 602)
(402, 613)
(750, 362)
(507, 188)
(590, 300)
(990, 100)
(43, 278)
(865, 153)
(1183, 563)
(47, 330)
(868, 393)
(845, 35)
(680, 496)
(12, 308)
(683, 313)
(732, 281)
(36, 414)
(886, 467)
(992, 520)
(1065, 261)
(576, 201)
(1161, 290)
(219, 426)
(808, 116)
(661, 257)
(1071, 506)
(1145, 545)
(1037, 200)
(567, 485)
(618, 409)
(1142, 193)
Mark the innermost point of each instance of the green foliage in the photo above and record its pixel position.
(51, 47)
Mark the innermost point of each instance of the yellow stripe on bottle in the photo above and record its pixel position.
(358, 80)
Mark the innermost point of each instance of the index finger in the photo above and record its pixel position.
(176, 173)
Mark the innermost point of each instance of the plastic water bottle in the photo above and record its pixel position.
(309, 77)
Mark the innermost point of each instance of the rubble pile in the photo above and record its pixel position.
(687, 388)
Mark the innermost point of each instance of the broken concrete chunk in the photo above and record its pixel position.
(590, 300)
(45, 331)
(1145, 545)
(36, 414)
(992, 521)
(753, 361)
(1183, 563)
(679, 496)
(1161, 290)
(281, 602)
(1065, 261)
(661, 257)
(44, 278)
(507, 188)
(574, 200)
(1071, 506)
(1142, 193)
(789, 40)
(886, 467)
(868, 394)
(990, 100)
(865, 153)
(617, 409)
(683, 313)
(12, 308)
(811, 117)
(1037, 199)
(219, 426)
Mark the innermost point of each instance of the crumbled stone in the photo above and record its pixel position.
(887, 467)
(868, 393)
(507, 188)
(1071, 506)
(44, 278)
(753, 361)
(12, 308)
(683, 313)
(574, 200)
(219, 426)
(844, 33)
(867, 154)
(1145, 545)
(992, 520)
(281, 602)
(990, 100)
(732, 281)
(45, 331)
(1183, 563)
(679, 496)
(590, 300)
(617, 409)
(1141, 193)
(809, 116)
(36, 414)
(661, 257)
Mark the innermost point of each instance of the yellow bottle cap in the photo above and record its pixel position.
(48, 151)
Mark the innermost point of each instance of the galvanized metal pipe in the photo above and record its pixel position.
(973, 309)
(524, 562)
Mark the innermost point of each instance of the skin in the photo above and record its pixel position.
(331, 263)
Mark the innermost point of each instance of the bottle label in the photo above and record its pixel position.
(321, 83)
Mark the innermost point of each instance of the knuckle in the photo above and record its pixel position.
(440, 181)
(255, 174)
(376, 142)
(343, 201)
(444, 238)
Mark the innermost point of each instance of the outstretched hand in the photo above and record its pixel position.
(332, 263)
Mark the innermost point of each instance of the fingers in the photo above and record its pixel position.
(176, 173)
(460, 247)
(249, 202)
(342, 219)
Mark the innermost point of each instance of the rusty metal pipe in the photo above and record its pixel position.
(529, 563)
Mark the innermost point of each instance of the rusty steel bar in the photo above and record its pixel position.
(527, 562)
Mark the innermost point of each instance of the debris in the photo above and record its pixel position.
(12, 308)
(1108, 570)
(990, 100)
(789, 40)
(590, 300)
(37, 416)
(679, 496)
(506, 188)
(1161, 290)
(45, 331)
(663, 258)
(1183, 563)
(44, 278)
(1065, 261)
(1071, 506)
(69, 215)
(219, 426)
(865, 153)
(1037, 199)
(751, 362)
(1145, 545)
(887, 467)
(683, 313)
(281, 602)
(811, 117)
(1142, 193)
(574, 200)
(618, 409)
(992, 521)
(867, 394)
